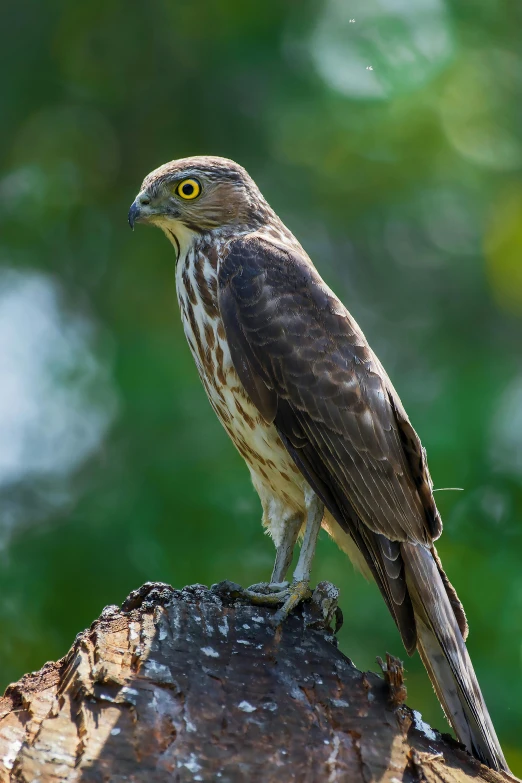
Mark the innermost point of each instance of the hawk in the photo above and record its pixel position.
(313, 413)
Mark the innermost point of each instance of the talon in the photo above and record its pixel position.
(298, 591)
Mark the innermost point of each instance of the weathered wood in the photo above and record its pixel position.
(195, 685)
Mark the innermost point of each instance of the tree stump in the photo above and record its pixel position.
(196, 685)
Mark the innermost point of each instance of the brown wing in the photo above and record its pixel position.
(308, 368)
(326, 390)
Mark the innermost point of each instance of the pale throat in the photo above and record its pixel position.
(180, 237)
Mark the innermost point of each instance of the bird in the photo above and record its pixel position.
(310, 408)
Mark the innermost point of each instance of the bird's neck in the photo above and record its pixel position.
(187, 241)
(181, 238)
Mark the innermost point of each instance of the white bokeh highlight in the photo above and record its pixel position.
(56, 396)
(374, 49)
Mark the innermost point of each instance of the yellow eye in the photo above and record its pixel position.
(189, 189)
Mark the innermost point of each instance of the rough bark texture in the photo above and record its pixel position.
(194, 685)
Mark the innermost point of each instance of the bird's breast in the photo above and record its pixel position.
(274, 474)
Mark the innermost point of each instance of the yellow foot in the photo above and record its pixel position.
(267, 593)
(271, 594)
(297, 592)
(324, 597)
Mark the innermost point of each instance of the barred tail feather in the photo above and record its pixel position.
(444, 654)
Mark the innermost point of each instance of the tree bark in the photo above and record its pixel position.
(196, 685)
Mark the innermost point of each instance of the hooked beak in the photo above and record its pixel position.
(139, 210)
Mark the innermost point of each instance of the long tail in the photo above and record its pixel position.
(444, 654)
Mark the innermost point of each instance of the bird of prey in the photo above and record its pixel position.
(313, 413)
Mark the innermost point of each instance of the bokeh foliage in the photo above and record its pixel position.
(388, 136)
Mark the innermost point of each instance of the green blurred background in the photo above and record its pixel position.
(388, 136)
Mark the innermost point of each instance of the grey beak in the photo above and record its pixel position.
(140, 208)
(134, 213)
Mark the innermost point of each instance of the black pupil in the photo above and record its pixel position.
(188, 189)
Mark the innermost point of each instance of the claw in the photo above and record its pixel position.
(274, 593)
(298, 591)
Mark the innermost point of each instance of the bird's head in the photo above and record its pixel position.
(199, 194)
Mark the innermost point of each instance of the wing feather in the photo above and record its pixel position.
(292, 339)
(307, 367)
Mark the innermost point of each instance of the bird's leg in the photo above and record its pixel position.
(285, 550)
(292, 595)
(284, 554)
(300, 587)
